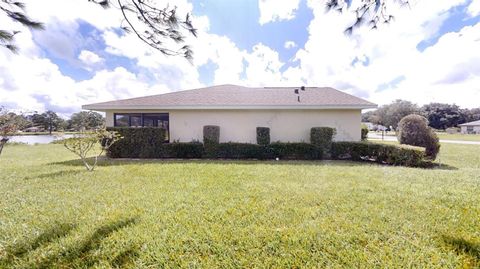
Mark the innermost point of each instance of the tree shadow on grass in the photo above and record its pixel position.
(465, 247)
(104, 161)
(55, 174)
(81, 255)
(125, 258)
(50, 235)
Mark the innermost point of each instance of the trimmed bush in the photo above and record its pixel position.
(232, 150)
(136, 142)
(211, 134)
(263, 135)
(296, 151)
(177, 150)
(364, 133)
(380, 153)
(285, 151)
(413, 130)
(322, 137)
(211, 139)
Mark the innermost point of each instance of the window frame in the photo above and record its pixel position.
(142, 115)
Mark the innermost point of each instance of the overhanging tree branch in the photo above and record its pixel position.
(160, 29)
(15, 10)
(373, 12)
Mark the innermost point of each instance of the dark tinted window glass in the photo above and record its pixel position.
(160, 120)
(135, 120)
(121, 120)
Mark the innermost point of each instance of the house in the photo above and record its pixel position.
(289, 112)
(33, 129)
(470, 127)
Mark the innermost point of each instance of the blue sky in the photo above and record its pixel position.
(429, 53)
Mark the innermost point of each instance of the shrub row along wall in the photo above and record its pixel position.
(380, 153)
(149, 143)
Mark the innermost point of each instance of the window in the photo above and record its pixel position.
(470, 129)
(160, 120)
(121, 120)
(135, 120)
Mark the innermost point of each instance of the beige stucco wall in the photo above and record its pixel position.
(240, 125)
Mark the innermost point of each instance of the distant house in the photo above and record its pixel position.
(470, 127)
(289, 112)
(33, 129)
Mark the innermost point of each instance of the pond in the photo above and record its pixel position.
(37, 139)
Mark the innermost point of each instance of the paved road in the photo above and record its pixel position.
(393, 138)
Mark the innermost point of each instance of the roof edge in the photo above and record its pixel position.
(100, 107)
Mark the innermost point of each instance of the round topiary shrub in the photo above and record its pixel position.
(413, 130)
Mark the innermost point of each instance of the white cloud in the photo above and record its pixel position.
(474, 8)
(361, 63)
(90, 58)
(448, 71)
(290, 44)
(274, 10)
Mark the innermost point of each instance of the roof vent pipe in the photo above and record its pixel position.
(303, 88)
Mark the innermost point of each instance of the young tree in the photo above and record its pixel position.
(370, 12)
(83, 144)
(160, 28)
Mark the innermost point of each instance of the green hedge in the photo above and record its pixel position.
(137, 142)
(380, 153)
(150, 143)
(322, 137)
(190, 150)
(284, 151)
(263, 135)
(232, 150)
(295, 151)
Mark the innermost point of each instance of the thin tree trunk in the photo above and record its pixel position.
(3, 141)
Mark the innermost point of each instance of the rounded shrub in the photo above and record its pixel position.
(413, 130)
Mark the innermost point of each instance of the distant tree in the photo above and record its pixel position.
(391, 114)
(9, 125)
(366, 117)
(368, 12)
(413, 130)
(443, 116)
(48, 120)
(472, 114)
(159, 28)
(86, 120)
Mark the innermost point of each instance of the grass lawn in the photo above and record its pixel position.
(150, 214)
(461, 137)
